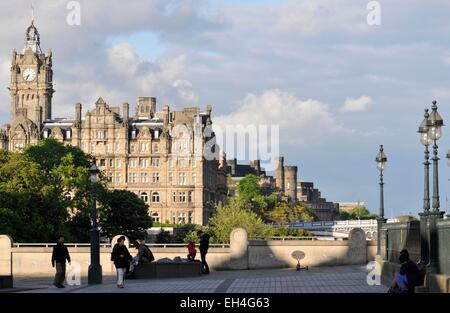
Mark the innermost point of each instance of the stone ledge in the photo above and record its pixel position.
(168, 270)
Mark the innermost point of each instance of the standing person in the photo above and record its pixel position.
(204, 246)
(191, 251)
(120, 256)
(59, 256)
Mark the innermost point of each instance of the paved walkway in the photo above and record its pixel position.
(340, 279)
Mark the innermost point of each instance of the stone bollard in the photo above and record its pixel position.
(239, 249)
(6, 278)
(357, 247)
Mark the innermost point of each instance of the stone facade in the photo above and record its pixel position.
(159, 155)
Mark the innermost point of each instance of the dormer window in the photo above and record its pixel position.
(156, 133)
(68, 134)
(46, 133)
(133, 134)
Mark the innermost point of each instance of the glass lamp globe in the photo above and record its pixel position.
(435, 132)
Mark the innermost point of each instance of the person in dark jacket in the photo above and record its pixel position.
(120, 256)
(408, 277)
(144, 255)
(59, 256)
(204, 246)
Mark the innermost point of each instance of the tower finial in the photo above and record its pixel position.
(32, 14)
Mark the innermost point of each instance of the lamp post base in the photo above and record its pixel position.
(95, 274)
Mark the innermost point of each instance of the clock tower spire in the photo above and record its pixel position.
(31, 86)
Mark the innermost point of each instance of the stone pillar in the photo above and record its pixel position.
(239, 249)
(357, 247)
(6, 262)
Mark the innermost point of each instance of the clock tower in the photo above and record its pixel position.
(31, 90)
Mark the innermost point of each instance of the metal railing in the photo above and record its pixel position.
(108, 245)
(286, 238)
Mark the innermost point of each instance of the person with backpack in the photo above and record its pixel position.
(120, 256)
(144, 255)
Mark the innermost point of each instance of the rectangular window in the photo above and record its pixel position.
(133, 163)
(155, 177)
(92, 148)
(170, 179)
(118, 178)
(182, 196)
(144, 163)
(194, 163)
(132, 148)
(118, 163)
(182, 179)
(111, 162)
(144, 178)
(155, 148)
(170, 162)
(110, 177)
(117, 148)
(194, 178)
(132, 177)
(174, 197)
(155, 162)
(102, 162)
(190, 196)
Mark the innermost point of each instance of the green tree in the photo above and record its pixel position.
(66, 169)
(360, 212)
(249, 188)
(301, 212)
(237, 213)
(279, 214)
(123, 212)
(31, 209)
(284, 231)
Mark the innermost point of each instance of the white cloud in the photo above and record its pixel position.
(357, 105)
(299, 121)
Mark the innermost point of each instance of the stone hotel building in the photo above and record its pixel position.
(156, 154)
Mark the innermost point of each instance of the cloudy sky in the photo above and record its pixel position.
(337, 87)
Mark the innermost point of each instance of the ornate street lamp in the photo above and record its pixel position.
(434, 124)
(381, 160)
(426, 140)
(95, 269)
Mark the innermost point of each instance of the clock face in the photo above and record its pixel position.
(29, 74)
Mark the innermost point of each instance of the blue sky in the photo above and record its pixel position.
(337, 87)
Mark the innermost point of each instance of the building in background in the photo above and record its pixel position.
(156, 154)
(348, 206)
(325, 210)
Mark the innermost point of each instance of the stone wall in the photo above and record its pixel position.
(242, 254)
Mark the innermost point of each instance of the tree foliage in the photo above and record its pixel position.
(236, 214)
(359, 212)
(45, 191)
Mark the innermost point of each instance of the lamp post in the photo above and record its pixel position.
(426, 141)
(95, 269)
(435, 123)
(448, 159)
(381, 160)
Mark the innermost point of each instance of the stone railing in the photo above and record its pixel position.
(18, 259)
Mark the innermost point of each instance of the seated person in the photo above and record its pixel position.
(407, 279)
(191, 251)
(144, 255)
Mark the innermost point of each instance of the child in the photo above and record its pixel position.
(192, 251)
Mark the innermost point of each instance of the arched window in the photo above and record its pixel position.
(155, 197)
(144, 197)
(155, 217)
